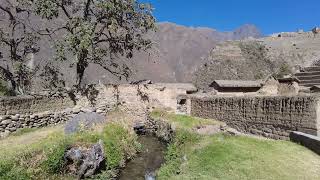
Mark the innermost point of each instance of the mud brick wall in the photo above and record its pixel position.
(137, 99)
(274, 117)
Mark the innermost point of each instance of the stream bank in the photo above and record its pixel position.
(154, 136)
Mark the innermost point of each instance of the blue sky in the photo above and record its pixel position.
(225, 15)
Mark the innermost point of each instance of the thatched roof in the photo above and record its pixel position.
(315, 88)
(288, 79)
(184, 86)
(237, 83)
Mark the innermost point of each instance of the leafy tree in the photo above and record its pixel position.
(97, 31)
(18, 40)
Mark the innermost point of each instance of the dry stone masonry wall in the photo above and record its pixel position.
(30, 104)
(274, 117)
(29, 112)
(34, 112)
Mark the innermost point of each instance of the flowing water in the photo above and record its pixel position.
(143, 167)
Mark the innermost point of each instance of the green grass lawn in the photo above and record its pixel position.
(222, 156)
(39, 154)
(183, 121)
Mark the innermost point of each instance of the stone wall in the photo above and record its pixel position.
(29, 112)
(307, 140)
(30, 104)
(270, 116)
(137, 99)
(33, 112)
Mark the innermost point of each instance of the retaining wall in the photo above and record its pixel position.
(273, 116)
(34, 112)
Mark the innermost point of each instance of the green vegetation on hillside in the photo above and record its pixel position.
(44, 158)
(221, 156)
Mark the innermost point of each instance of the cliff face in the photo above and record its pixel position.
(249, 59)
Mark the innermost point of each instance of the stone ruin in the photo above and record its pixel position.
(270, 111)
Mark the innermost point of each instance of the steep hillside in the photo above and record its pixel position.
(278, 54)
(177, 52)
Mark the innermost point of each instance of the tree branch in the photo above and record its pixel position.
(86, 10)
(12, 19)
(64, 10)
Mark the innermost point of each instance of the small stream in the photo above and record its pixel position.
(143, 167)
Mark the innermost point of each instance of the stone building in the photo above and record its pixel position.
(235, 86)
(315, 89)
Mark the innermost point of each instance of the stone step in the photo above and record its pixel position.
(313, 73)
(309, 81)
(311, 68)
(310, 77)
(308, 84)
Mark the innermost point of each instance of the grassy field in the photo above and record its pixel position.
(39, 154)
(183, 121)
(193, 156)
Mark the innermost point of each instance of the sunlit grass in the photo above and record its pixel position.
(43, 158)
(221, 156)
(183, 121)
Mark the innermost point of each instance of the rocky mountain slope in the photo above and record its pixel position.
(278, 54)
(177, 52)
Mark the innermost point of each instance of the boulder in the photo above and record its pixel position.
(86, 162)
(6, 122)
(83, 121)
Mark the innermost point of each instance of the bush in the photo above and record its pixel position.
(120, 145)
(4, 91)
(55, 162)
(283, 70)
(175, 152)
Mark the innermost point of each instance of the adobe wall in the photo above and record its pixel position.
(138, 99)
(270, 116)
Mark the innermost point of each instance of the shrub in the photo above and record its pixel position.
(55, 162)
(175, 152)
(283, 70)
(120, 144)
(4, 91)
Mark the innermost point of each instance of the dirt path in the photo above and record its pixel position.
(29, 138)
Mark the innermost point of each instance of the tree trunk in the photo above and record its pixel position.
(81, 67)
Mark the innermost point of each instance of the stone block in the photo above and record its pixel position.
(309, 141)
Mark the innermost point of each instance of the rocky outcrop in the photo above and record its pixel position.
(85, 162)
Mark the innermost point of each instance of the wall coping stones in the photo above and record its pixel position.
(307, 140)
